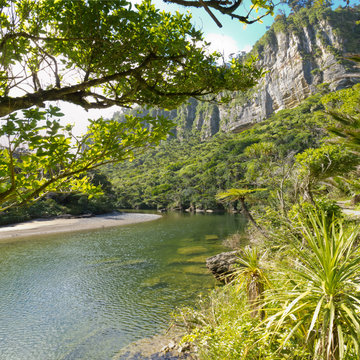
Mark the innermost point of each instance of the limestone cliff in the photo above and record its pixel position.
(300, 53)
(298, 58)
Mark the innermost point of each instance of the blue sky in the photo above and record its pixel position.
(233, 36)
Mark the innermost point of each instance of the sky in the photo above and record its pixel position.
(231, 38)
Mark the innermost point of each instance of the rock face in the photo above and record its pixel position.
(299, 53)
(222, 265)
(297, 62)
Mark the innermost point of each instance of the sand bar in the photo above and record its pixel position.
(54, 226)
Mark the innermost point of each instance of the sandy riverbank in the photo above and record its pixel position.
(54, 226)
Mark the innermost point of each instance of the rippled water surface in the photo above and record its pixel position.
(87, 295)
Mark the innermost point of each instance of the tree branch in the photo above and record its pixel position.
(75, 94)
(215, 4)
(223, 7)
(23, 34)
(218, 23)
(78, 94)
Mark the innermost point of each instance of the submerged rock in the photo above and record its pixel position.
(158, 347)
(192, 250)
(211, 237)
(154, 283)
(223, 265)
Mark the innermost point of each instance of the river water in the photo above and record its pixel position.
(87, 295)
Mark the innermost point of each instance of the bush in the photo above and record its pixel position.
(299, 212)
(312, 308)
(14, 215)
(44, 209)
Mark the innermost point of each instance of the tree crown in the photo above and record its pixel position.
(102, 53)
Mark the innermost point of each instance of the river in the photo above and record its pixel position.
(88, 294)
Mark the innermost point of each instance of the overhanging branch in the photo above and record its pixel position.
(78, 94)
(225, 7)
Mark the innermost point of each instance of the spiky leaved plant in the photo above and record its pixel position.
(323, 305)
(232, 195)
(252, 276)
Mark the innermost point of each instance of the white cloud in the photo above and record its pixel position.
(246, 48)
(224, 44)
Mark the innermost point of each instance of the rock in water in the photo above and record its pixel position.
(223, 265)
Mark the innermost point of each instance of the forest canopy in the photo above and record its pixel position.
(97, 54)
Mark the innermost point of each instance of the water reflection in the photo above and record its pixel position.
(87, 295)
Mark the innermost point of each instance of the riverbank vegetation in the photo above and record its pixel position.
(307, 305)
(296, 293)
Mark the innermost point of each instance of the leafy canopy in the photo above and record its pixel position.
(40, 155)
(102, 53)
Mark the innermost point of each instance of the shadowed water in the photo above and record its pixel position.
(87, 295)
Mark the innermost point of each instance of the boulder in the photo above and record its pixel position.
(355, 200)
(223, 265)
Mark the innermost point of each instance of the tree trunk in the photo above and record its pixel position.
(255, 291)
(250, 217)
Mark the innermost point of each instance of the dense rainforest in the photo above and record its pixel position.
(183, 174)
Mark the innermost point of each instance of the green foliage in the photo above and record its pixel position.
(328, 160)
(45, 208)
(297, 213)
(346, 101)
(218, 330)
(39, 155)
(252, 276)
(236, 194)
(311, 311)
(59, 203)
(315, 165)
(343, 108)
(347, 130)
(324, 304)
(195, 170)
(102, 53)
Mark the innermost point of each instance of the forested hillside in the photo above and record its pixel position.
(189, 173)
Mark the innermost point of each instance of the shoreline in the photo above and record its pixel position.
(162, 346)
(41, 227)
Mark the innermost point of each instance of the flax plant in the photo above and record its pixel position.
(253, 277)
(322, 309)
